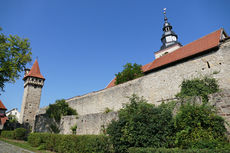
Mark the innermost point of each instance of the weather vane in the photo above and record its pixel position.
(165, 13)
(164, 10)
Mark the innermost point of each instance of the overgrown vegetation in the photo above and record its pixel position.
(56, 111)
(141, 125)
(74, 129)
(198, 87)
(130, 72)
(194, 127)
(197, 126)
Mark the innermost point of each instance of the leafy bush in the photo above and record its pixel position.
(71, 143)
(177, 150)
(198, 87)
(129, 72)
(35, 139)
(59, 109)
(197, 126)
(8, 134)
(21, 134)
(74, 129)
(141, 125)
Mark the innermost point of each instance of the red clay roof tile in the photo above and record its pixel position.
(2, 106)
(203, 44)
(35, 71)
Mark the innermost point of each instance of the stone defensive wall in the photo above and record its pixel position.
(156, 87)
(159, 85)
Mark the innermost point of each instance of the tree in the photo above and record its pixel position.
(198, 126)
(59, 109)
(15, 53)
(56, 111)
(129, 72)
(141, 124)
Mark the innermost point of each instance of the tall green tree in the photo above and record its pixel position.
(141, 124)
(130, 72)
(15, 53)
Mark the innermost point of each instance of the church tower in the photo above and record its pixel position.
(169, 39)
(33, 83)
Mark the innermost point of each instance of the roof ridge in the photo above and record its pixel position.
(200, 38)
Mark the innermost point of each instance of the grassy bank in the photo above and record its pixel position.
(24, 145)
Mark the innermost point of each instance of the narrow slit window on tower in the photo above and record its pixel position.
(208, 65)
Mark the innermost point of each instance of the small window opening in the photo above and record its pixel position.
(208, 65)
(220, 63)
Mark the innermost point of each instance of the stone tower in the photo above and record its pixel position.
(33, 83)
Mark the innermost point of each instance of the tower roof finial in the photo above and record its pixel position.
(169, 38)
(165, 17)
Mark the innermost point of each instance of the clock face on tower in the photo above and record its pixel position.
(170, 38)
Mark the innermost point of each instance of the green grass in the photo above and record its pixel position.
(24, 145)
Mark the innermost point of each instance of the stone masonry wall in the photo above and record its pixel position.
(163, 84)
(96, 123)
(221, 101)
(155, 87)
(87, 124)
(30, 104)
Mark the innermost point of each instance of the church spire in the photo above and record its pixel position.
(169, 38)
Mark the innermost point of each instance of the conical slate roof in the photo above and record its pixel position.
(35, 71)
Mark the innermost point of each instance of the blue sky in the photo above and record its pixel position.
(81, 44)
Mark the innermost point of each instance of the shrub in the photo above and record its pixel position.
(71, 143)
(198, 87)
(21, 134)
(59, 109)
(129, 72)
(74, 129)
(177, 150)
(197, 126)
(56, 111)
(8, 134)
(34, 139)
(141, 125)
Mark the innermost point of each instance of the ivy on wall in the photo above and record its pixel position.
(198, 87)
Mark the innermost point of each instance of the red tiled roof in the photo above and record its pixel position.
(198, 46)
(2, 106)
(35, 71)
